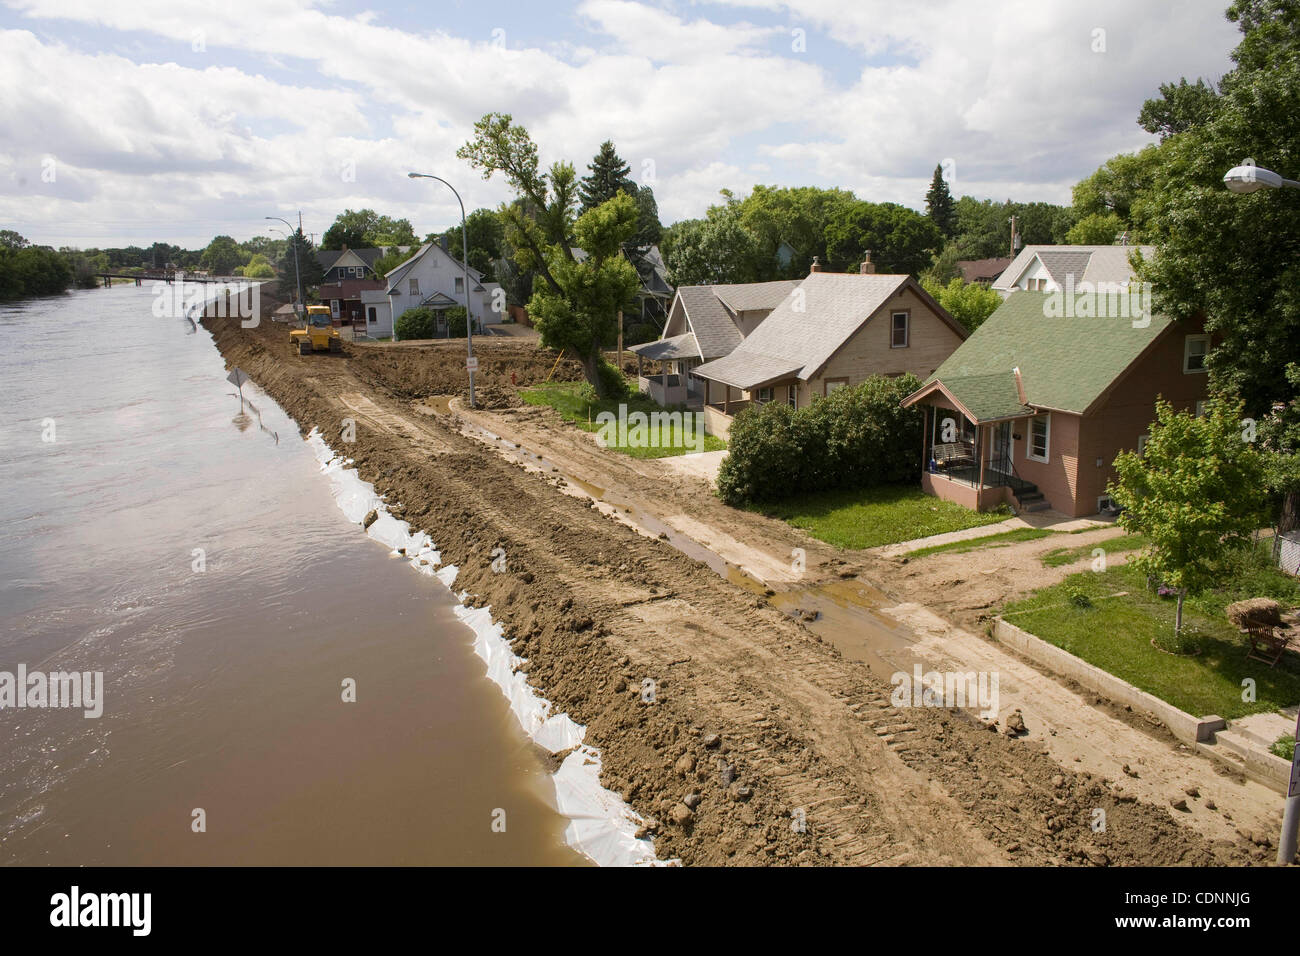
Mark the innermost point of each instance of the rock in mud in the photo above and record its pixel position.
(712, 741)
(371, 517)
(692, 800)
(740, 792)
(1179, 803)
(1015, 725)
(681, 814)
(685, 764)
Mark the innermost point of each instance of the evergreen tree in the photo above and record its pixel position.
(608, 177)
(939, 205)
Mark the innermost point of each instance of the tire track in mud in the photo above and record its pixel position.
(597, 608)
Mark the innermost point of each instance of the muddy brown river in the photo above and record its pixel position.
(194, 556)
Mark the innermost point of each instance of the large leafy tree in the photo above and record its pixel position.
(607, 176)
(984, 226)
(222, 255)
(1181, 106)
(574, 302)
(970, 303)
(1236, 258)
(796, 216)
(1197, 489)
(719, 248)
(1110, 200)
(939, 204)
(365, 229)
(900, 240)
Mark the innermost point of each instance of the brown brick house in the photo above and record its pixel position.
(1033, 408)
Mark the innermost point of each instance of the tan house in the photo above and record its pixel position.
(1033, 408)
(705, 322)
(833, 330)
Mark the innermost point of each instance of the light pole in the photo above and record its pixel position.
(464, 261)
(1248, 179)
(297, 272)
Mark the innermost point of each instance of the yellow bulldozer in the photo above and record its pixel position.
(319, 335)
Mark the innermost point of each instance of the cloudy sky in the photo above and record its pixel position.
(130, 121)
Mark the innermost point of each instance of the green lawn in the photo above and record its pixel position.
(658, 438)
(1115, 634)
(1000, 540)
(1058, 557)
(870, 517)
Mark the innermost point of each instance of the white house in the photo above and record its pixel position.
(435, 279)
(1045, 268)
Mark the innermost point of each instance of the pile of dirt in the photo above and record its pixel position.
(739, 734)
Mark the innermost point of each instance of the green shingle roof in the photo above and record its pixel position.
(1066, 361)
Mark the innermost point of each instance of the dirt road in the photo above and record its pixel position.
(767, 723)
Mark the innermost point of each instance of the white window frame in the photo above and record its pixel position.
(764, 394)
(1187, 354)
(460, 284)
(334, 308)
(907, 329)
(792, 396)
(1047, 439)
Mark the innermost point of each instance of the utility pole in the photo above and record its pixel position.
(1015, 239)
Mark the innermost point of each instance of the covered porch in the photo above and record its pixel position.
(672, 384)
(967, 456)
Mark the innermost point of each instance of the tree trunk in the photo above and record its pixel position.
(1178, 615)
(591, 371)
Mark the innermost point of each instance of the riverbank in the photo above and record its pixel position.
(744, 737)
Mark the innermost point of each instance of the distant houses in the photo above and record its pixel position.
(346, 274)
(1051, 268)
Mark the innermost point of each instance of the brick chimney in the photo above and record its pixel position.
(1020, 386)
(868, 267)
(816, 265)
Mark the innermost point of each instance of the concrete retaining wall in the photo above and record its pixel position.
(1184, 726)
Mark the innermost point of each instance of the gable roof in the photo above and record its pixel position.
(972, 270)
(807, 329)
(751, 296)
(1093, 264)
(677, 347)
(328, 258)
(1067, 363)
(401, 270)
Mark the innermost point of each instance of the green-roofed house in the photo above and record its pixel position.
(1032, 409)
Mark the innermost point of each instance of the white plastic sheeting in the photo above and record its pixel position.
(601, 826)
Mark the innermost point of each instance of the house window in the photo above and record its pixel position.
(460, 283)
(898, 330)
(370, 315)
(792, 396)
(833, 383)
(1142, 445)
(763, 395)
(413, 286)
(1040, 430)
(1195, 348)
(1202, 408)
(334, 308)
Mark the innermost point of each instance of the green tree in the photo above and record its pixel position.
(1181, 106)
(717, 249)
(900, 240)
(1117, 189)
(366, 229)
(1096, 229)
(1197, 489)
(968, 302)
(1236, 258)
(607, 176)
(221, 256)
(797, 216)
(649, 230)
(574, 303)
(939, 205)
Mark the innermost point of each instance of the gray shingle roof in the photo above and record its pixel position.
(712, 324)
(1103, 264)
(748, 296)
(678, 347)
(807, 328)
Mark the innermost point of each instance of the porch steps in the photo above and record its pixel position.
(1029, 497)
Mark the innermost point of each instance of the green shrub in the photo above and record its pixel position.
(856, 437)
(417, 323)
(1184, 642)
(455, 317)
(1284, 747)
(612, 381)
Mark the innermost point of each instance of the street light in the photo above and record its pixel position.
(1248, 179)
(296, 271)
(464, 261)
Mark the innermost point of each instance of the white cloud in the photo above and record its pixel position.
(1013, 92)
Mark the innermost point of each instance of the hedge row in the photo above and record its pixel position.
(856, 437)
